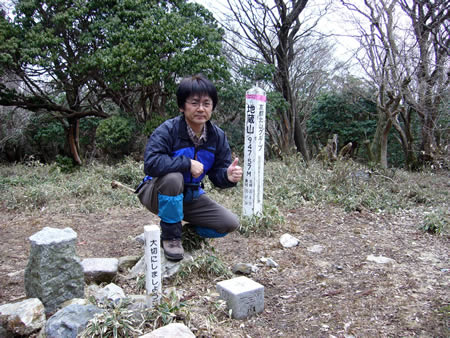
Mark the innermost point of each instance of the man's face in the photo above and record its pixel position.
(197, 111)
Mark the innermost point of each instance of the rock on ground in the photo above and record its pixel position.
(70, 321)
(22, 318)
(54, 273)
(172, 330)
(100, 270)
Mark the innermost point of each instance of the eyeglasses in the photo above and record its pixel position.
(197, 104)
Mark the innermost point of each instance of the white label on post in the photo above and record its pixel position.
(255, 129)
(153, 264)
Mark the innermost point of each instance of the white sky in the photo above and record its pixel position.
(334, 23)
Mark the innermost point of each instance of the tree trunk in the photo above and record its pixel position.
(370, 154)
(299, 139)
(380, 139)
(427, 140)
(384, 144)
(406, 140)
(73, 139)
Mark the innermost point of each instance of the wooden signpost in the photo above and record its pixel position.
(153, 264)
(255, 128)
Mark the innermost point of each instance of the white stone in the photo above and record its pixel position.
(244, 296)
(137, 269)
(269, 262)
(172, 330)
(79, 301)
(110, 292)
(380, 259)
(168, 268)
(288, 241)
(52, 236)
(315, 248)
(137, 304)
(127, 262)
(100, 270)
(244, 268)
(23, 318)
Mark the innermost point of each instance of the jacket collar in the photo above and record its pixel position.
(211, 135)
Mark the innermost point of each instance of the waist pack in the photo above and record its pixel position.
(191, 192)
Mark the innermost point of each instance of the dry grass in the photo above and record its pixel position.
(349, 210)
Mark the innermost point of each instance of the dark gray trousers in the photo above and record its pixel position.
(203, 212)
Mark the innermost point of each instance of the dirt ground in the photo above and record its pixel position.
(333, 293)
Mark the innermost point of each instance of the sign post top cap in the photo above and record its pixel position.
(152, 227)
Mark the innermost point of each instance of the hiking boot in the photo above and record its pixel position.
(173, 250)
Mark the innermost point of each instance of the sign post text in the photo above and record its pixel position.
(255, 129)
(153, 264)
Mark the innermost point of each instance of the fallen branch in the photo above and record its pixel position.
(116, 184)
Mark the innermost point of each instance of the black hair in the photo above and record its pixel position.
(196, 85)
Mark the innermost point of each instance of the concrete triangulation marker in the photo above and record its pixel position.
(244, 296)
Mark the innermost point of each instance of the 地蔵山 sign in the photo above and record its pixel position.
(255, 129)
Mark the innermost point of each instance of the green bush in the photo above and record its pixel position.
(269, 221)
(208, 264)
(65, 164)
(46, 137)
(88, 127)
(152, 124)
(349, 115)
(114, 135)
(169, 310)
(436, 222)
(128, 172)
(116, 320)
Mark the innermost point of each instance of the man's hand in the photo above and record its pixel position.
(196, 168)
(234, 172)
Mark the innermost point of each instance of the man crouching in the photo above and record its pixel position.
(178, 155)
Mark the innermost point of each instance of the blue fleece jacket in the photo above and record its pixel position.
(169, 149)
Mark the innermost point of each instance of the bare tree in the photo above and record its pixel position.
(381, 58)
(407, 67)
(272, 32)
(312, 69)
(428, 66)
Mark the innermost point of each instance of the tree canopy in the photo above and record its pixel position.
(73, 59)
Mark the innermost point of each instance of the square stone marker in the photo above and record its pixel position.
(244, 296)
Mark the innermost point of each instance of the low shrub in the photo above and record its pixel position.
(436, 222)
(169, 310)
(115, 321)
(208, 265)
(265, 224)
(114, 135)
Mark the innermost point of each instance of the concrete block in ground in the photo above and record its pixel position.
(244, 296)
(100, 270)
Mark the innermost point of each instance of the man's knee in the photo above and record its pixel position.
(171, 184)
(232, 223)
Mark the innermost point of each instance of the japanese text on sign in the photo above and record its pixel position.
(153, 263)
(255, 118)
